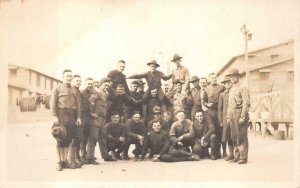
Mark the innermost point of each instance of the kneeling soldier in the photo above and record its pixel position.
(116, 132)
(205, 136)
(136, 131)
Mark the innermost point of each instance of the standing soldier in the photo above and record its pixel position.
(65, 108)
(117, 77)
(181, 73)
(197, 94)
(238, 108)
(211, 101)
(78, 136)
(223, 107)
(97, 109)
(130, 108)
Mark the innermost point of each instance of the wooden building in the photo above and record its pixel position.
(24, 82)
(271, 81)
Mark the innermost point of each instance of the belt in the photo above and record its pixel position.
(67, 109)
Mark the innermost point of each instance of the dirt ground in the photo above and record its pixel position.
(29, 160)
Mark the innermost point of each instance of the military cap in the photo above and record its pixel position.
(179, 110)
(234, 71)
(141, 82)
(176, 57)
(59, 132)
(135, 82)
(153, 62)
(226, 79)
(156, 110)
(177, 81)
(194, 78)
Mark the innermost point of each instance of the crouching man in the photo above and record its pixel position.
(205, 136)
(136, 131)
(116, 133)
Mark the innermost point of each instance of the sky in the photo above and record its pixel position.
(90, 36)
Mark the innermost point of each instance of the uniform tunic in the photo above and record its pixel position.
(197, 95)
(65, 104)
(158, 143)
(182, 101)
(184, 129)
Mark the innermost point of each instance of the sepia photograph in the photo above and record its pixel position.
(136, 93)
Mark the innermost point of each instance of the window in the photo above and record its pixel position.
(264, 74)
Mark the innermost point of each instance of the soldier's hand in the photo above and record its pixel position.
(180, 138)
(55, 119)
(241, 120)
(94, 115)
(228, 121)
(122, 139)
(210, 105)
(179, 143)
(78, 122)
(221, 124)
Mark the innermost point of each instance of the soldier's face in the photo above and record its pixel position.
(199, 116)
(156, 127)
(228, 85)
(106, 85)
(203, 83)
(153, 67)
(67, 76)
(134, 87)
(178, 87)
(121, 67)
(89, 84)
(120, 89)
(136, 117)
(180, 116)
(115, 118)
(178, 62)
(154, 92)
(213, 79)
(76, 82)
(195, 83)
(234, 79)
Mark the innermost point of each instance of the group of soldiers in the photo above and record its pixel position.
(166, 122)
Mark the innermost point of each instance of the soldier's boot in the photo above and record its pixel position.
(224, 150)
(65, 163)
(73, 164)
(59, 166)
(230, 156)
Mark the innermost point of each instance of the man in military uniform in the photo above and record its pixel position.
(182, 137)
(222, 110)
(97, 109)
(196, 95)
(136, 131)
(211, 101)
(180, 73)
(116, 136)
(166, 88)
(180, 100)
(165, 125)
(204, 136)
(78, 136)
(118, 77)
(85, 116)
(141, 87)
(65, 108)
(118, 100)
(130, 108)
(149, 104)
(238, 108)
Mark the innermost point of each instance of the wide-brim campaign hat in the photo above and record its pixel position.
(176, 57)
(136, 82)
(226, 79)
(194, 78)
(153, 62)
(235, 72)
(59, 132)
(177, 81)
(141, 82)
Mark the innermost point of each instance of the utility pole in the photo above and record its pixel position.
(247, 36)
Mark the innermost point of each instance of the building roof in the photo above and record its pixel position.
(271, 64)
(250, 53)
(12, 66)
